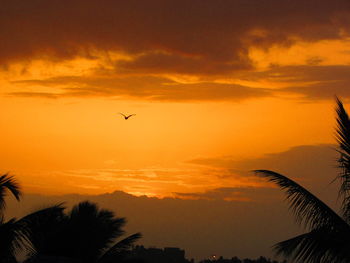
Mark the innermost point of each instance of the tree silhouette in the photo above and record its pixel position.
(85, 234)
(10, 234)
(328, 239)
(9, 240)
(14, 234)
(8, 184)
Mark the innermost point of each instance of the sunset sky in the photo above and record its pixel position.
(212, 83)
(219, 88)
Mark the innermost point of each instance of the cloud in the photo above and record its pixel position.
(313, 166)
(209, 35)
(311, 82)
(322, 91)
(133, 48)
(162, 63)
(255, 194)
(152, 181)
(141, 87)
(304, 73)
(29, 94)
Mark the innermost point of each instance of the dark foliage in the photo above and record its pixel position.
(8, 184)
(10, 231)
(86, 234)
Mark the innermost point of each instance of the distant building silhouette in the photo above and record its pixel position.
(140, 254)
(237, 260)
(158, 255)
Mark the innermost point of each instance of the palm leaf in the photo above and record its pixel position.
(318, 246)
(10, 240)
(37, 226)
(343, 138)
(306, 207)
(93, 229)
(119, 250)
(8, 183)
(329, 238)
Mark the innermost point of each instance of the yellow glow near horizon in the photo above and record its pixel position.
(70, 134)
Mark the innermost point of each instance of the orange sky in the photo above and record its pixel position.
(206, 79)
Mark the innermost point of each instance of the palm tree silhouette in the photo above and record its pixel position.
(85, 234)
(8, 184)
(328, 239)
(14, 234)
(9, 231)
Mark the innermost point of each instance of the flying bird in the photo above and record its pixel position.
(127, 116)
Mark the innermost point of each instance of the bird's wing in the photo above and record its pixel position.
(131, 115)
(122, 114)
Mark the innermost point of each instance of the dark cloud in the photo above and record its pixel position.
(312, 82)
(322, 91)
(28, 94)
(156, 62)
(304, 73)
(217, 33)
(204, 38)
(314, 61)
(313, 166)
(261, 194)
(147, 87)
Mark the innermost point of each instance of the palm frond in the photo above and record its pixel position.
(10, 240)
(317, 246)
(37, 226)
(343, 139)
(8, 183)
(119, 250)
(92, 230)
(306, 207)
(343, 128)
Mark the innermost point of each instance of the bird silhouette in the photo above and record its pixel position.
(127, 116)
